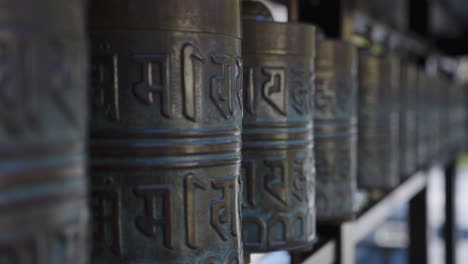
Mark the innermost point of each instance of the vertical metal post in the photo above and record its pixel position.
(347, 244)
(418, 228)
(450, 224)
(293, 11)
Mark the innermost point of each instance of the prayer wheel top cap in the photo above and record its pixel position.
(266, 37)
(209, 16)
(340, 55)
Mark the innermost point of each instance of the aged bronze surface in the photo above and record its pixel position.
(165, 131)
(277, 153)
(43, 212)
(378, 122)
(408, 129)
(335, 130)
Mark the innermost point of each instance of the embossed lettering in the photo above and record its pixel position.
(105, 84)
(248, 185)
(253, 231)
(222, 85)
(299, 227)
(106, 210)
(324, 96)
(154, 80)
(157, 211)
(299, 179)
(191, 184)
(278, 230)
(224, 208)
(274, 89)
(239, 81)
(300, 90)
(65, 72)
(249, 86)
(276, 182)
(19, 111)
(191, 79)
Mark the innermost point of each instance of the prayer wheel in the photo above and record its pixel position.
(277, 153)
(378, 122)
(43, 206)
(335, 130)
(165, 131)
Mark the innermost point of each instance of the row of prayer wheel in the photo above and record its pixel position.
(193, 142)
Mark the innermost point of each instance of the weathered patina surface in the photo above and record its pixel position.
(378, 122)
(277, 167)
(335, 128)
(43, 209)
(165, 131)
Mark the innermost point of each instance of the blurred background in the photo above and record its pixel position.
(437, 31)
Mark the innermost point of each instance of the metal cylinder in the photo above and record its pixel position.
(335, 130)
(43, 212)
(378, 122)
(277, 153)
(408, 128)
(165, 131)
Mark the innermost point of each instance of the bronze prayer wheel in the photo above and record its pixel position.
(43, 207)
(335, 130)
(378, 122)
(165, 131)
(408, 128)
(277, 153)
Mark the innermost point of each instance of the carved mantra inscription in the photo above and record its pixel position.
(156, 217)
(279, 182)
(223, 211)
(284, 186)
(280, 87)
(278, 230)
(37, 248)
(153, 86)
(21, 97)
